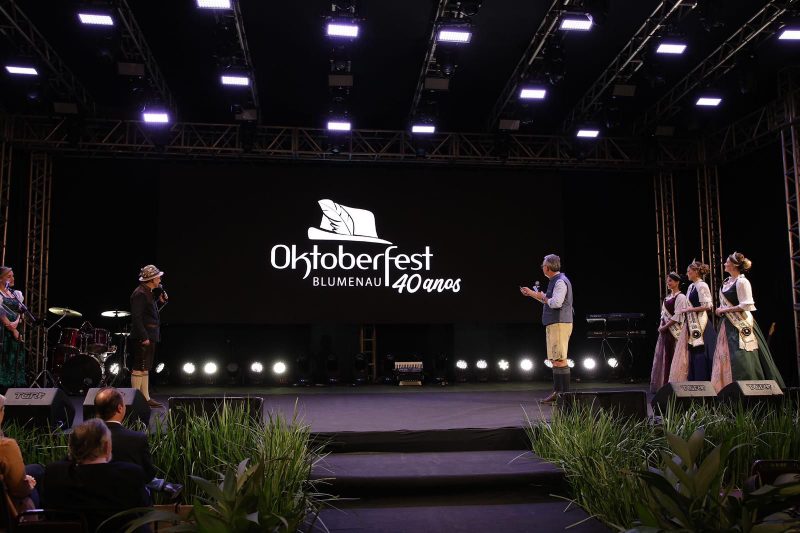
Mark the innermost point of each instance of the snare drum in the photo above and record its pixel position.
(99, 341)
(80, 373)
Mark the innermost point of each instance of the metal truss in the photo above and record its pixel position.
(710, 222)
(430, 59)
(532, 54)
(756, 129)
(18, 28)
(666, 235)
(630, 59)
(248, 61)
(106, 137)
(790, 155)
(135, 50)
(5, 194)
(40, 185)
(758, 28)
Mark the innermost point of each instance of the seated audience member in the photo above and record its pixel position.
(90, 484)
(20, 486)
(129, 446)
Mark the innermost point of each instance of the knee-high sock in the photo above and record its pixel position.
(561, 379)
(136, 383)
(146, 386)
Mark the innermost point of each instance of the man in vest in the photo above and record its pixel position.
(557, 319)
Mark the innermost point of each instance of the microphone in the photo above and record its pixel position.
(536, 286)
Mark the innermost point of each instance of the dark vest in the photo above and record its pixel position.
(732, 295)
(564, 313)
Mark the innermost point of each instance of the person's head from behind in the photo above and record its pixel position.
(551, 265)
(90, 442)
(109, 404)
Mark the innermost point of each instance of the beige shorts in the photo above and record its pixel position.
(557, 339)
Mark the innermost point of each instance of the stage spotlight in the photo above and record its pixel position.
(256, 368)
(210, 368)
(114, 369)
(482, 364)
(214, 4)
(162, 374)
(454, 34)
(570, 363)
(502, 364)
(462, 371)
(95, 19)
(576, 21)
(588, 133)
(708, 101)
(21, 70)
(671, 48)
(280, 372)
(548, 363)
(503, 370)
(589, 363)
(229, 79)
(423, 128)
(279, 368)
(790, 34)
(160, 367)
(526, 365)
(187, 373)
(482, 370)
(255, 374)
(155, 117)
(612, 362)
(234, 372)
(340, 29)
(338, 125)
(188, 368)
(532, 93)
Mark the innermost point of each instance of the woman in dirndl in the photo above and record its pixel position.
(741, 352)
(669, 329)
(694, 349)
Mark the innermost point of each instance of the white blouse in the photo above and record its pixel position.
(744, 291)
(681, 303)
(703, 293)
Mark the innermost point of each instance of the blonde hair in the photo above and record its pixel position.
(702, 269)
(740, 261)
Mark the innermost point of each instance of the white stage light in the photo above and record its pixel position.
(423, 128)
(612, 362)
(482, 364)
(337, 29)
(210, 368)
(235, 80)
(708, 101)
(671, 48)
(576, 21)
(338, 126)
(526, 365)
(214, 4)
(188, 368)
(548, 363)
(790, 34)
(25, 71)
(114, 368)
(95, 19)
(570, 363)
(461, 364)
(532, 94)
(279, 368)
(503, 365)
(587, 133)
(589, 363)
(454, 36)
(160, 367)
(256, 367)
(153, 117)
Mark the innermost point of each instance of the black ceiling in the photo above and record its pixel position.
(291, 55)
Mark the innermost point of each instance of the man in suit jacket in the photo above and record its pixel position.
(129, 446)
(90, 484)
(145, 328)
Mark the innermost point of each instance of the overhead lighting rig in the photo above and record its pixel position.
(342, 29)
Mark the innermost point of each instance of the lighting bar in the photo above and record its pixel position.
(26, 71)
(96, 20)
(708, 101)
(532, 94)
(214, 4)
(591, 134)
(338, 126)
(155, 117)
(671, 48)
(423, 128)
(337, 29)
(454, 36)
(576, 21)
(790, 34)
(235, 80)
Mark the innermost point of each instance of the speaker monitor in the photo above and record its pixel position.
(39, 407)
(628, 404)
(136, 407)
(209, 405)
(749, 392)
(684, 393)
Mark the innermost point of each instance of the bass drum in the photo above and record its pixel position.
(80, 373)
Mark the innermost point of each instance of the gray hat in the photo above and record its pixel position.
(149, 272)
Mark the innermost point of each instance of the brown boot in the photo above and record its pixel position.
(551, 398)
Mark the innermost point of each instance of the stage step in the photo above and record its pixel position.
(509, 512)
(434, 440)
(381, 474)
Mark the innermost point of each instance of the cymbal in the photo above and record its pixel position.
(116, 313)
(63, 311)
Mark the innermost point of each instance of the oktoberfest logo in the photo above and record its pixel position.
(746, 331)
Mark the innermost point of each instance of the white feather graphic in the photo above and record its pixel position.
(340, 220)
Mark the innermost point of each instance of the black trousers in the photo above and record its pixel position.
(143, 355)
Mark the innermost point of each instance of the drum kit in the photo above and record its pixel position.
(86, 356)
